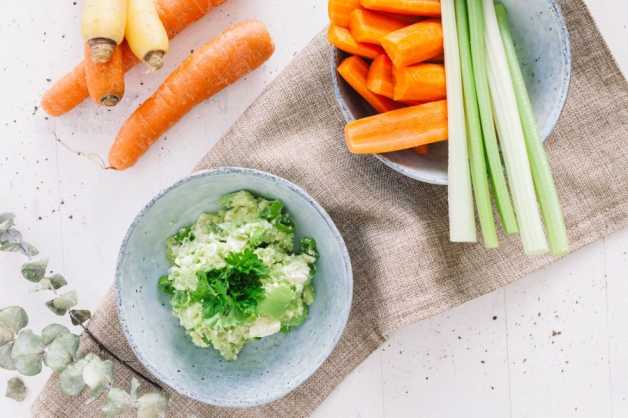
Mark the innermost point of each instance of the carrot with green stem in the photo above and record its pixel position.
(222, 61)
(399, 129)
(105, 80)
(69, 91)
(354, 70)
(371, 27)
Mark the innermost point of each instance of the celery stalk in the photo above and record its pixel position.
(477, 157)
(541, 171)
(512, 139)
(460, 195)
(478, 55)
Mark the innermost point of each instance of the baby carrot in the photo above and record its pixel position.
(105, 81)
(69, 91)
(342, 39)
(354, 71)
(380, 77)
(371, 27)
(399, 129)
(405, 7)
(212, 67)
(415, 43)
(340, 10)
(422, 82)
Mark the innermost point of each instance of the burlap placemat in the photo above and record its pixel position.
(396, 229)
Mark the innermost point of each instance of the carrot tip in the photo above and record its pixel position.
(101, 49)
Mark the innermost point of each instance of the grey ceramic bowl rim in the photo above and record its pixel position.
(566, 53)
(322, 356)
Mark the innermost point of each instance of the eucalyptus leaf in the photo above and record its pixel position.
(80, 316)
(71, 378)
(34, 271)
(27, 353)
(7, 220)
(61, 351)
(57, 281)
(117, 403)
(16, 389)
(135, 387)
(10, 247)
(152, 405)
(11, 236)
(6, 335)
(98, 375)
(29, 249)
(61, 304)
(13, 318)
(6, 361)
(52, 331)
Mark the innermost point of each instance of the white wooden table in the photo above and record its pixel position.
(554, 344)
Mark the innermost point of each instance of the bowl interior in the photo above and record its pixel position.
(266, 369)
(542, 44)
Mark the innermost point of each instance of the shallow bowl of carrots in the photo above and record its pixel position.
(389, 76)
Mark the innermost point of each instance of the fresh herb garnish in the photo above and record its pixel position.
(234, 289)
(276, 214)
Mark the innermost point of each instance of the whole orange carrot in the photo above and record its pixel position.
(415, 43)
(220, 62)
(399, 129)
(69, 91)
(105, 81)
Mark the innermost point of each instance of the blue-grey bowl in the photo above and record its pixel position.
(543, 48)
(266, 369)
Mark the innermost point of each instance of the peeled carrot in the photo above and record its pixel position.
(422, 149)
(398, 130)
(105, 81)
(415, 43)
(354, 71)
(342, 39)
(421, 82)
(340, 10)
(69, 91)
(220, 62)
(380, 77)
(371, 27)
(405, 7)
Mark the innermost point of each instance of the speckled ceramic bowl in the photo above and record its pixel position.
(266, 369)
(542, 43)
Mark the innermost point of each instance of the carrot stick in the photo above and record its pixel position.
(371, 27)
(398, 130)
(354, 71)
(69, 91)
(422, 149)
(405, 7)
(217, 64)
(339, 11)
(415, 43)
(422, 82)
(105, 81)
(342, 39)
(380, 77)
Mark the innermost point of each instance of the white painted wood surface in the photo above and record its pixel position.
(554, 344)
